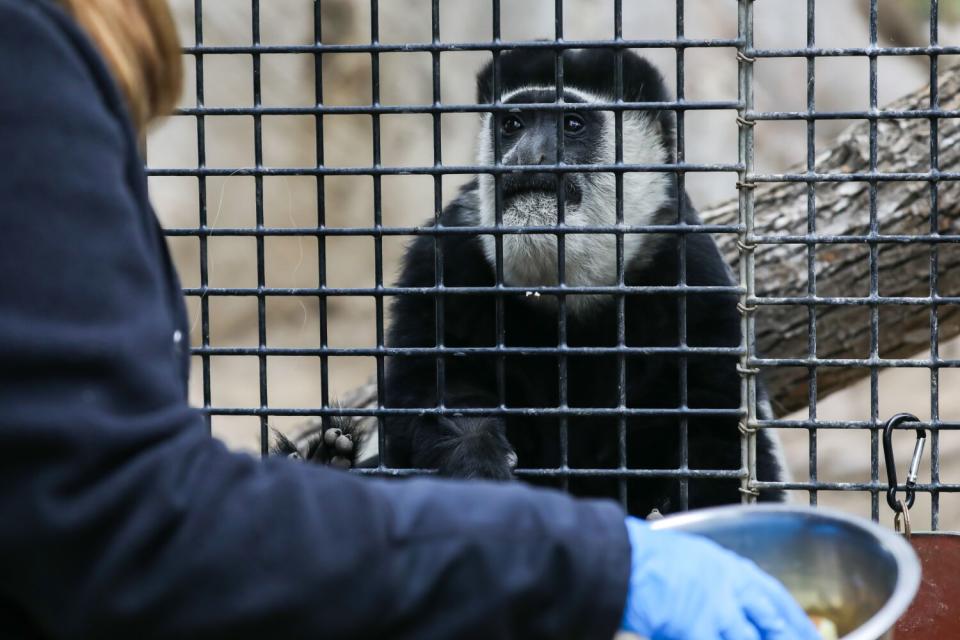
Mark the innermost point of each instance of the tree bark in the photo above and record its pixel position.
(843, 269)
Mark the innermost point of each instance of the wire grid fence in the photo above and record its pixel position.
(751, 364)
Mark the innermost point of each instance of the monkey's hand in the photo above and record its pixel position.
(336, 442)
(465, 447)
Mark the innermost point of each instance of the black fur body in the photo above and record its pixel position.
(477, 446)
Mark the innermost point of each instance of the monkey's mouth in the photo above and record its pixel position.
(543, 185)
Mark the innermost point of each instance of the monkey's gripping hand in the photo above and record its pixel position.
(336, 442)
(685, 587)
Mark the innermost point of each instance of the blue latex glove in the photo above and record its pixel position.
(685, 587)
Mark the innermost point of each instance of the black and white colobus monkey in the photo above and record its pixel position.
(488, 447)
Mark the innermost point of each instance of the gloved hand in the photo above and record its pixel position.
(685, 587)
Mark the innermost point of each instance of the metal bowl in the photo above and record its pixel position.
(848, 569)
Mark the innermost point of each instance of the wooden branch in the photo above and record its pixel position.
(843, 270)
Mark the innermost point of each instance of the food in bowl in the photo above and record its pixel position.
(825, 627)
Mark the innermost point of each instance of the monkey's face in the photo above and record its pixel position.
(530, 139)
(528, 197)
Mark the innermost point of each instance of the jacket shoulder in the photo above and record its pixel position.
(40, 47)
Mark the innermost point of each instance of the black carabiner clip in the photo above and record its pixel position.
(910, 494)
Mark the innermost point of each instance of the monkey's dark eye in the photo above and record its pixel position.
(511, 124)
(572, 123)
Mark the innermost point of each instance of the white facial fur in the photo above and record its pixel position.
(530, 259)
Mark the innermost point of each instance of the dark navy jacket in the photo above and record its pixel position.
(120, 517)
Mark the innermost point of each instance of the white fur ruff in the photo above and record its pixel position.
(530, 259)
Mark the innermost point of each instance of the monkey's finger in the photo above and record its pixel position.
(330, 436)
(344, 445)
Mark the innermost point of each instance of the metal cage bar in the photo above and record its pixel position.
(934, 272)
(321, 191)
(562, 376)
(261, 254)
(437, 207)
(378, 224)
(746, 244)
(621, 259)
(811, 251)
(202, 214)
(751, 363)
(874, 278)
(498, 215)
(680, 157)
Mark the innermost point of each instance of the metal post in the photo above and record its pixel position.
(747, 245)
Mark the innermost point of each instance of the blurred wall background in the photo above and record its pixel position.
(405, 78)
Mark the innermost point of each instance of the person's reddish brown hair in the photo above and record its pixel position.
(139, 41)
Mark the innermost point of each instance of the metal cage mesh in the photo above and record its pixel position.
(748, 238)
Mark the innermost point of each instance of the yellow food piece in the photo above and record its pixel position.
(825, 627)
